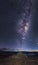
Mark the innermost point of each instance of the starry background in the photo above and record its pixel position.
(10, 11)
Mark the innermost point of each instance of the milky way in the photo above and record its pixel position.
(23, 24)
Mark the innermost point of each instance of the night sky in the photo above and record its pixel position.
(10, 15)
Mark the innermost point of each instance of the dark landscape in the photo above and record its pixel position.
(18, 58)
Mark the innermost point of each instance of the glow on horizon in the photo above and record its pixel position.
(19, 49)
(29, 50)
